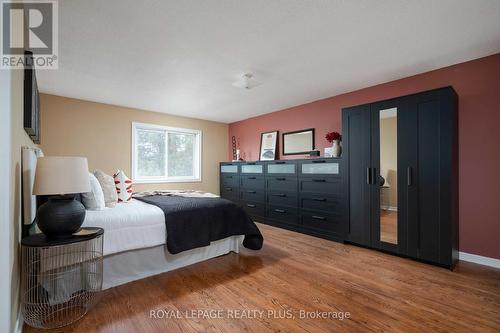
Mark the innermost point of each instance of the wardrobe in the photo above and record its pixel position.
(401, 179)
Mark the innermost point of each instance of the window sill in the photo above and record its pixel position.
(161, 181)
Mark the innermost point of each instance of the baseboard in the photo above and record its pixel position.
(487, 261)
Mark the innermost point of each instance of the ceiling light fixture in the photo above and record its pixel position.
(247, 81)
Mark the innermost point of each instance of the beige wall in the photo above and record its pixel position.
(389, 160)
(103, 134)
(13, 139)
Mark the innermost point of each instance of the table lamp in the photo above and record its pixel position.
(61, 177)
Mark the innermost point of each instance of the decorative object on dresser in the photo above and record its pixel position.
(61, 278)
(303, 195)
(61, 178)
(410, 141)
(298, 142)
(268, 146)
(334, 138)
(31, 100)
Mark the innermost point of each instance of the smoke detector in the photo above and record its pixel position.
(247, 81)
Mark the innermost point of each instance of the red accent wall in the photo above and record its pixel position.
(477, 83)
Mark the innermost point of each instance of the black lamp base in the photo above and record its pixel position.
(61, 216)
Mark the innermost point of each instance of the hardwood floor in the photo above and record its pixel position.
(296, 272)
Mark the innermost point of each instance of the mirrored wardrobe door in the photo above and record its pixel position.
(388, 175)
(388, 222)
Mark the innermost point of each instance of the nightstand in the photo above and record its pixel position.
(61, 278)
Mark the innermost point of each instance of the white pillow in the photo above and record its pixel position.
(123, 186)
(94, 200)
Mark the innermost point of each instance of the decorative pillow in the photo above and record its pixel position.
(108, 188)
(94, 200)
(123, 186)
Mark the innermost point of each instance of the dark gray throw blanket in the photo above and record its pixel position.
(195, 222)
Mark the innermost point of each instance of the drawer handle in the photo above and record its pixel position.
(319, 161)
(280, 162)
(319, 199)
(251, 163)
(252, 177)
(282, 211)
(251, 192)
(316, 217)
(251, 206)
(229, 176)
(228, 189)
(280, 178)
(319, 180)
(279, 195)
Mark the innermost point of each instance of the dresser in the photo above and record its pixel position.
(302, 195)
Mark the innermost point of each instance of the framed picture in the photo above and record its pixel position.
(31, 100)
(268, 146)
(298, 142)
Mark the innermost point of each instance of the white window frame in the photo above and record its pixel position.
(167, 179)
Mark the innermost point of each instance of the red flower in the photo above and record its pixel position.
(332, 136)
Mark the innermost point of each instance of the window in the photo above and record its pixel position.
(165, 154)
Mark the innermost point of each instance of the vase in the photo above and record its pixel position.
(336, 149)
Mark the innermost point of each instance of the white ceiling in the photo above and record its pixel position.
(181, 57)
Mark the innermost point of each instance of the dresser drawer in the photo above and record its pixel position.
(229, 180)
(247, 194)
(229, 168)
(319, 221)
(282, 184)
(281, 168)
(282, 213)
(254, 208)
(229, 193)
(252, 168)
(327, 185)
(252, 182)
(323, 167)
(326, 203)
(282, 198)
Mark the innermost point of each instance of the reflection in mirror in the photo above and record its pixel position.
(388, 176)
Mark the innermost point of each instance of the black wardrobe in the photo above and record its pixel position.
(402, 175)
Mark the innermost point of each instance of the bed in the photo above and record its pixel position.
(135, 239)
(139, 236)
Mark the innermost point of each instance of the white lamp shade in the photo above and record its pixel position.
(57, 175)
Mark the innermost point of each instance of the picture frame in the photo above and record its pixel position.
(31, 119)
(298, 142)
(268, 146)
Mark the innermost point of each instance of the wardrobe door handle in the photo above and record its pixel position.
(280, 178)
(229, 177)
(368, 176)
(374, 176)
(251, 206)
(228, 189)
(279, 195)
(319, 180)
(318, 217)
(409, 178)
(251, 192)
(252, 177)
(319, 199)
(280, 211)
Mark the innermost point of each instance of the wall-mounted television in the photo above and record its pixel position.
(31, 100)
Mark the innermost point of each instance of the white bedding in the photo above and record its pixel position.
(129, 226)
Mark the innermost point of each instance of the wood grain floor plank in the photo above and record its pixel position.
(295, 272)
